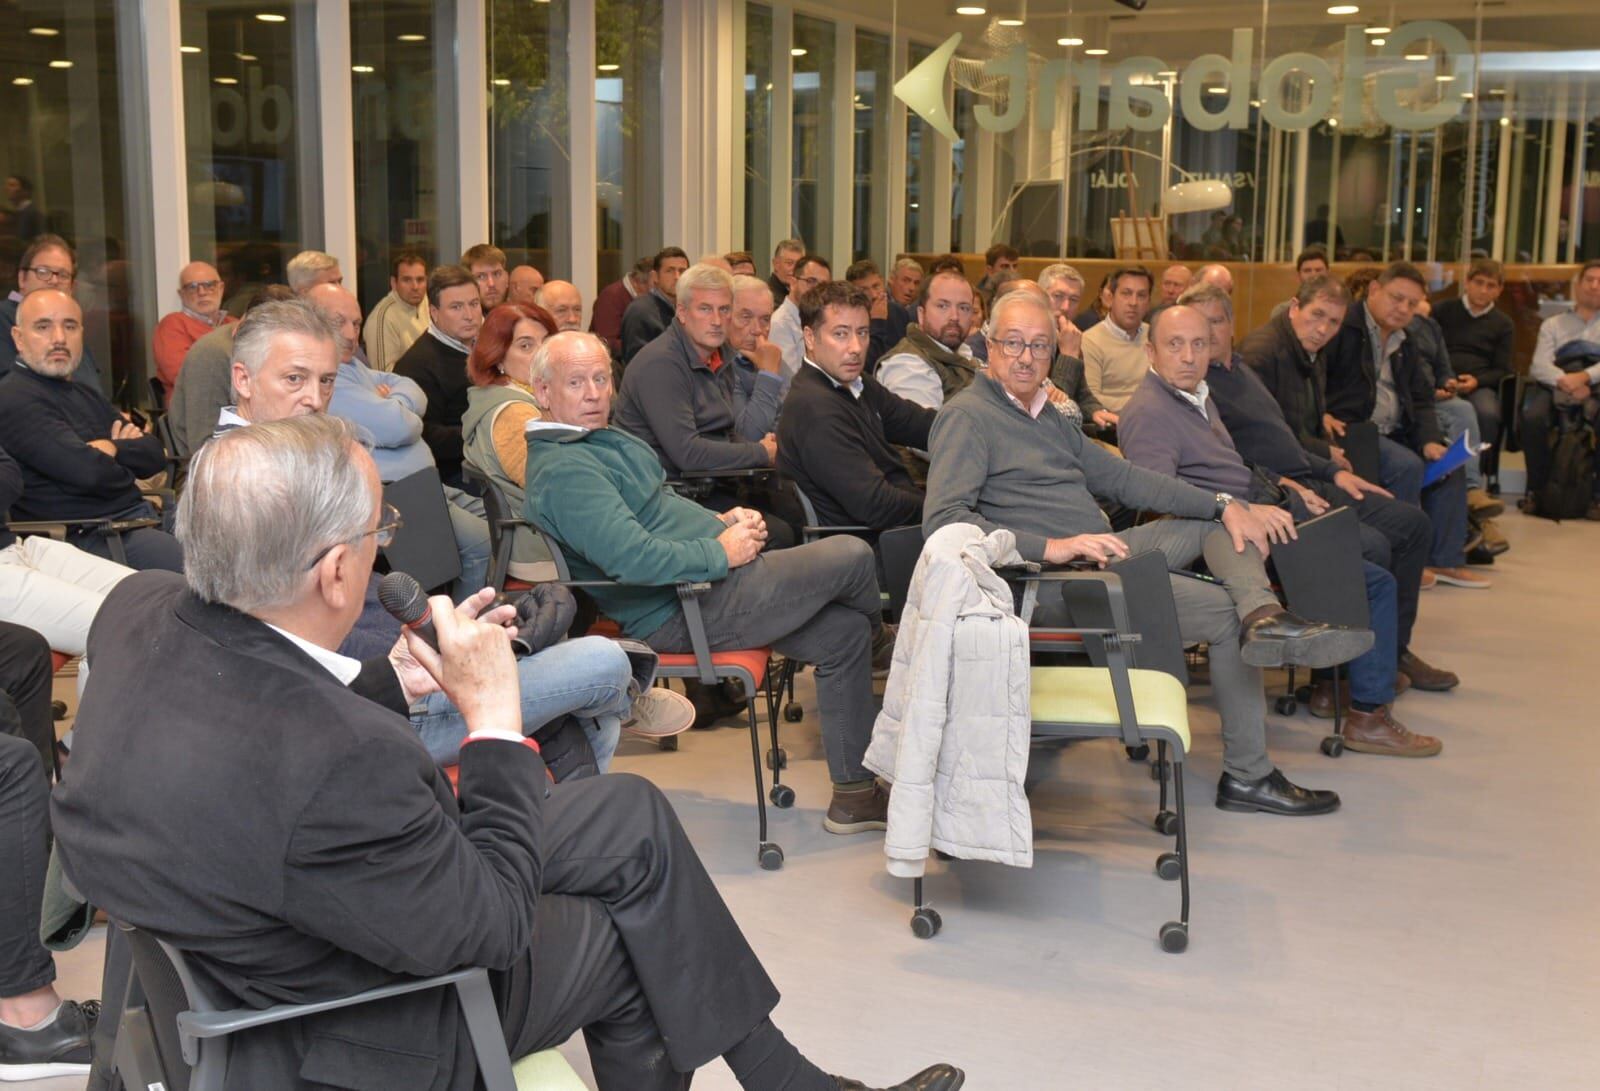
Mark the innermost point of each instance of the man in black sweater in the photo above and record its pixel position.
(437, 362)
(649, 315)
(80, 458)
(839, 425)
(1479, 338)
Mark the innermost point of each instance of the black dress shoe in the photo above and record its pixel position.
(1275, 794)
(939, 1077)
(59, 1048)
(1280, 638)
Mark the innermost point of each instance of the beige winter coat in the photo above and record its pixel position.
(953, 733)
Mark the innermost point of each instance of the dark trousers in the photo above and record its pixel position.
(817, 603)
(776, 504)
(25, 680)
(1539, 420)
(1486, 403)
(1395, 536)
(632, 944)
(146, 548)
(1445, 501)
(25, 965)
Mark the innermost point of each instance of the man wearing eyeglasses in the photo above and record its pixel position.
(810, 272)
(48, 263)
(200, 312)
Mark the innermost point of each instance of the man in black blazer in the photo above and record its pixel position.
(839, 426)
(270, 811)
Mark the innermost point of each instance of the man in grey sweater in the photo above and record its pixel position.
(1002, 456)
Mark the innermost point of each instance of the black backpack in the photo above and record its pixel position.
(1569, 490)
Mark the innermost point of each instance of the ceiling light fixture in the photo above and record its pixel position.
(971, 9)
(1069, 41)
(188, 49)
(608, 67)
(44, 32)
(1379, 41)
(502, 82)
(1445, 77)
(1009, 22)
(226, 81)
(60, 64)
(797, 52)
(271, 17)
(363, 69)
(1417, 56)
(1377, 30)
(411, 38)
(1216, 90)
(1096, 52)
(245, 56)
(22, 81)
(1343, 9)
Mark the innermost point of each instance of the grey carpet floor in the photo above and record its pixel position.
(1437, 932)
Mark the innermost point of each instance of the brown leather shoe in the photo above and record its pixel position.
(1321, 703)
(1426, 676)
(858, 810)
(1481, 506)
(1377, 732)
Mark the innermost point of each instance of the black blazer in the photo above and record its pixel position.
(1353, 381)
(1295, 381)
(228, 795)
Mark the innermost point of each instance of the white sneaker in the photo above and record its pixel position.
(659, 712)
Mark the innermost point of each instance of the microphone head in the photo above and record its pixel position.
(403, 597)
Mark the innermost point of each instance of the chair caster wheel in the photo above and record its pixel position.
(1303, 694)
(1333, 746)
(1138, 753)
(668, 743)
(1159, 769)
(777, 759)
(925, 923)
(771, 856)
(782, 796)
(58, 710)
(1286, 706)
(1166, 822)
(793, 713)
(1174, 937)
(1169, 866)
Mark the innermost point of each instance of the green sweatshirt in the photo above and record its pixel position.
(602, 495)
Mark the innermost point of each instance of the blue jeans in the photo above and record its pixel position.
(1401, 470)
(1371, 675)
(1445, 502)
(471, 529)
(588, 677)
(1456, 416)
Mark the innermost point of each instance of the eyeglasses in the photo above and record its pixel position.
(388, 522)
(1013, 347)
(200, 286)
(51, 276)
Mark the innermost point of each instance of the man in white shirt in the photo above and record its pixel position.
(401, 316)
(809, 271)
(934, 361)
(1556, 390)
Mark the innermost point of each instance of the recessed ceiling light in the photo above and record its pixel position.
(1466, 94)
(60, 64)
(1377, 30)
(1009, 22)
(188, 49)
(1167, 72)
(1343, 9)
(226, 81)
(1069, 41)
(608, 67)
(1417, 56)
(245, 56)
(363, 69)
(1505, 122)
(797, 53)
(971, 9)
(1216, 90)
(1256, 103)
(1333, 123)
(272, 17)
(22, 81)
(44, 32)
(1445, 77)
(411, 38)
(1379, 41)
(501, 82)
(1096, 52)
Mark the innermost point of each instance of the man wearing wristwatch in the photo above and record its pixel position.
(1002, 456)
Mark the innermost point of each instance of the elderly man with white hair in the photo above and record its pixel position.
(309, 268)
(564, 302)
(325, 853)
(199, 313)
(1003, 456)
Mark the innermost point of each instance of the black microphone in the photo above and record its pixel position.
(404, 598)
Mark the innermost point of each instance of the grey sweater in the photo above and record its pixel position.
(996, 467)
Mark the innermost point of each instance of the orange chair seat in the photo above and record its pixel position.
(752, 661)
(606, 627)
(59, 660)
(514, 584)
(453, 772)
(1054, 638)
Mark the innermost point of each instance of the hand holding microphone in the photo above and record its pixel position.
(452, 648)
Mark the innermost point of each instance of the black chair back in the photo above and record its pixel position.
(426, 545)
(1322, 573)
(156, 985)
(1361, 448)
(1147, 592)
(899, 549)
(158, 395)
(499, 520)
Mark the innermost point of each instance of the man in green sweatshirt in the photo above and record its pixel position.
(601, 493)
(1003, 456)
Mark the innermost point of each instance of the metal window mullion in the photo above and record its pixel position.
(582, 171)
(336, 136)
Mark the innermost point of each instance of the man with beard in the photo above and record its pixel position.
(934, 362)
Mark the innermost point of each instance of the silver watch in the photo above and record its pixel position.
(1223, 500)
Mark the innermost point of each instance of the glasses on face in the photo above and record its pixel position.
(389, 521)
(1013, 347)
(201, 286)
(51, 276)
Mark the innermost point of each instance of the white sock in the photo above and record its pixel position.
(41, 1024)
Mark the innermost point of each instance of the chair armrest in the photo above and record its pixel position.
(841, 528)
(689, 598)
(1032, 575)
(219, 1024)
(747, 473)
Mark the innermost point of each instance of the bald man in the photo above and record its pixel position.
(80, 458)
(525, 284)
(1217, 275)
(199, 312)
(564, 302)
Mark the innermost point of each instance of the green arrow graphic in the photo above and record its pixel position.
(922, 88)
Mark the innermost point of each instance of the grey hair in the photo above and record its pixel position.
(703, 278)
(1019, 298)
(304, 267)
(1203, 293)
(262, 502)
(906, 263)
(253, 336)
(543, 366)
(1059, 271)
(789, 246)
(744, 282)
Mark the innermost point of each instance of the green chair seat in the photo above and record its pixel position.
(546, 1071)
(1082, 695)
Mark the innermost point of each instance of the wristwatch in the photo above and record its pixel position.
(1223, 500)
